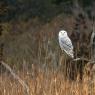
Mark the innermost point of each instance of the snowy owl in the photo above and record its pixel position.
(65, 43)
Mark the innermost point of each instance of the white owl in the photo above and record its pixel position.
(65, 43)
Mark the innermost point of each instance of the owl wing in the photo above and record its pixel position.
(66, 45)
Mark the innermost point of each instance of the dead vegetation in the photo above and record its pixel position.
(46, 82)
(32, 50)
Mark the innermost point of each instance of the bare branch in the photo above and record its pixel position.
(84, 59)
(81, 59)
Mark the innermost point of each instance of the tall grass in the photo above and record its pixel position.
(48, 82)
(35, 56)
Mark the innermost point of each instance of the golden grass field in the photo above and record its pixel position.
(43, 70)
(46, 82)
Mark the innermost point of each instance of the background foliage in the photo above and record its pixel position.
(45, 9)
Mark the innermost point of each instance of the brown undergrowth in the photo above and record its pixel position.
(43, 67)
(46, 82)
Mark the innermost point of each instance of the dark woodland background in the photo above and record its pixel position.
(43, 9)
